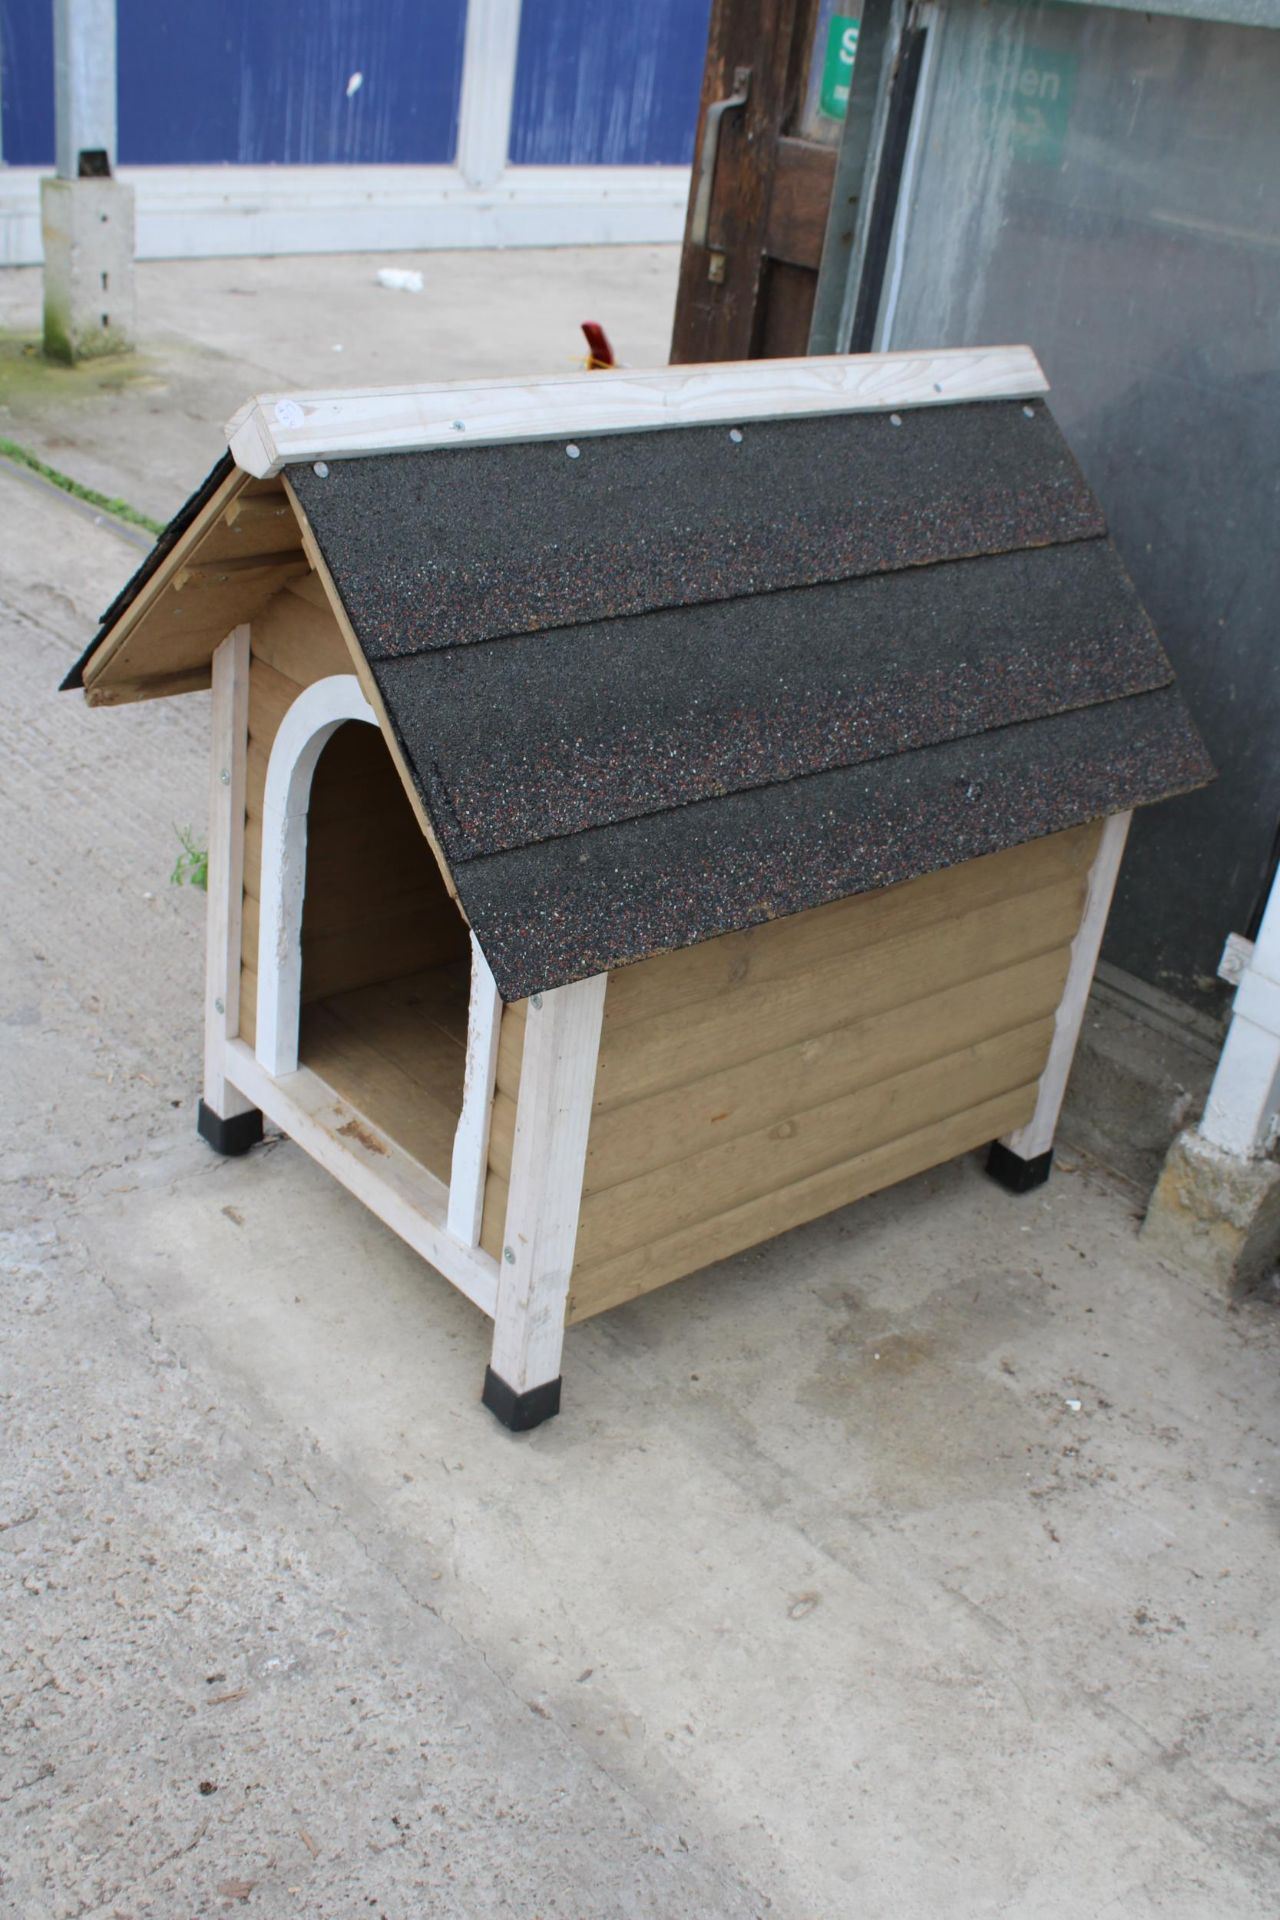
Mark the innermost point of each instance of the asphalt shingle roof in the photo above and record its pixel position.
(683, 681)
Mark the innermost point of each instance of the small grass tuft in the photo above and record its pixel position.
(191, 868)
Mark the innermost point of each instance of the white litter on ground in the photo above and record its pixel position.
(400, 279)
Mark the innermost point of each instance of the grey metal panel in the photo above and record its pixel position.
(1102, 184)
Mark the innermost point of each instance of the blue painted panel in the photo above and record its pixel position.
(600, 84)
(253, 83)
(26, 97)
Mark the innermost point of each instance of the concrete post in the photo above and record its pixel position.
(1216, 1207)
(87, 217)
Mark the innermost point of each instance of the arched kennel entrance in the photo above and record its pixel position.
(367, 975)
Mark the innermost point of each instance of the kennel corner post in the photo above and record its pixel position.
(553, 1119)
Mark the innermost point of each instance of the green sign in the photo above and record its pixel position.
(837, 67)
(1037, 101)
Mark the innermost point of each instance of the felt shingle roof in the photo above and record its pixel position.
(659, 686)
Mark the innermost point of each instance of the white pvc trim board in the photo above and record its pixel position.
(274, 430)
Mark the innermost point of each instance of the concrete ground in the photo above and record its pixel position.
(919, 1563)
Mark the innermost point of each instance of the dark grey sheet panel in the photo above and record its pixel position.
(463, 544)
(542, 735)
(566, 909)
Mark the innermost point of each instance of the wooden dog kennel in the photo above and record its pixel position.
(650, 810)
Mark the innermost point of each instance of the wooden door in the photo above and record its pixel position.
(758, 208)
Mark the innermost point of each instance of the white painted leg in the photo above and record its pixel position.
(1021, 1160)
(553, 1117)
(228, 1121)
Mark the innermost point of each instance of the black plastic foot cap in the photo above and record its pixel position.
(520, 1411)
(236, 1135)
(1015, 1173)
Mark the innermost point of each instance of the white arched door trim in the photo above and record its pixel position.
(301, 737)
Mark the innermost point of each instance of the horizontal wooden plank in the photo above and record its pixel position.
(170, 644)
(252, 525)
(360, 854)
(760, 1018)
(123, 693)
(300, 640)
(271, 694)
(201, 576)
(796, 223)
(425, 1013)
(722, 1178)
(270, 432)
(668, 1128)
(399, 1086)
(669, 981)
(359, 954)
(592, 1290)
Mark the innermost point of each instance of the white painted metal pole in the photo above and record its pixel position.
(84, 85)
(488, 85)
(1243, 1110)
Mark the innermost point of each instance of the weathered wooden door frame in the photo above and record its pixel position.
(758, 172)
(755, 192)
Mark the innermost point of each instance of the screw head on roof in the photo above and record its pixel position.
(1030, 412)
(535, 1001)
(225, 776)
(219, 1006)
(459, 426)
(735, 434)
(895, 419)
(573, 451)
(321, 469)
(509, 1255)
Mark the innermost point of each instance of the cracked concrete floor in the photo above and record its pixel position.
(921, 1562)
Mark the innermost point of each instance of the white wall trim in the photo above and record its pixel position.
(213, 212)
(309, 724)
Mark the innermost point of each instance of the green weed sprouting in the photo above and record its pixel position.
(191, 868)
